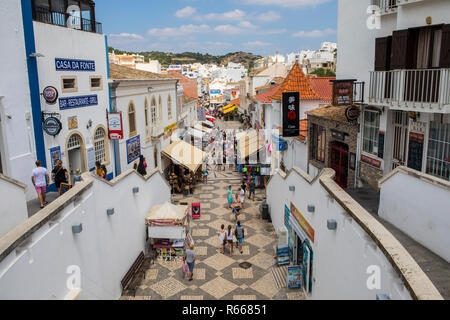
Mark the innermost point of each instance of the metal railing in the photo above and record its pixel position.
(358, 92)
(66, 20)
(385, 5)
(411, 88)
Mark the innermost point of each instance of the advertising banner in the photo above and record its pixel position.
(302, 222)
(55, 155)
(115, 127)
(294, 277)
(291, 114)
(133, 149)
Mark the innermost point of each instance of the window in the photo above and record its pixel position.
(438, 159)
(318, 143)
(169, 107)
(69, 84)
(132, 119)
(96, 83)
(147, 129)
(100, 145)
(371, 132)
(153, 110)
(160, 110)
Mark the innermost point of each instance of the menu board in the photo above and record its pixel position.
(294, 277)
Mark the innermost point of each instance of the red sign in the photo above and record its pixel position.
(196, 210)
(115, 127)
(372, 162)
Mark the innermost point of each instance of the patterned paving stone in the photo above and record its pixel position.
(171, 265)
(239, 273)
(206, 196)
(260, 240)
(244, 297)
(266, 286)
(191, 298)
(200, 232)
(142, 298)
(256, 224)
(213, 241)
(262, 260)
(151, 274)
(199, 274)
(205, 217)
(219, 261)
(218, 287)
(217, 223)
(168, 287)
(298, 295)
(221, 211)
(201, 251)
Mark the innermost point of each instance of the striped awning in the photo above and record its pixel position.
(229, 108)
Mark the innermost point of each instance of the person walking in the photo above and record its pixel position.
(222, 238)
(205, 176)
(59, 174)
(230, 197)
(142, 166)
(189, 258)
(236, 207)
(230, 239)
(40, 179)
(252, 188)
(240, 234)
(242, 196)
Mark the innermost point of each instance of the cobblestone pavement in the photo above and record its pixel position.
(217, 275)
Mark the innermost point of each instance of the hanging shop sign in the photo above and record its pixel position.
(51, 125)
(115, 126)
(74, 65)
(352, 113)
(291, 114)
(55, 155)
(78, 102)
(72, 122)
(133, 149)
(306, 227)
(343, 92)
(50, 94)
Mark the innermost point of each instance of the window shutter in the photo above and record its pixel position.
(402, 50)
(382, 53)
(445, 47)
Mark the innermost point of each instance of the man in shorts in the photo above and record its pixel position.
(40, 179)
(240, 235)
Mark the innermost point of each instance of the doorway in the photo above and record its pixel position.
(75, 155)
(400, 123)
(339, 163)
(155, 156)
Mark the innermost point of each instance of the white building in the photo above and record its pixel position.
(152, 66)
(148, 103)
(402, 53)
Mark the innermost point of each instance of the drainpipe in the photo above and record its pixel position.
(113, 108)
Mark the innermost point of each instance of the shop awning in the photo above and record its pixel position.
(229, 108)
(196, 133)
(184, 154)
(167, 211)
(199, 127)
(248, 143)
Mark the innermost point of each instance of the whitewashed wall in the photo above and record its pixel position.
(17, 146)
(421, 210)
(14, 211)
(341, 257)
(296, 154)
(104, 250)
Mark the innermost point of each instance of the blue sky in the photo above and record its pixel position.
(217, 27)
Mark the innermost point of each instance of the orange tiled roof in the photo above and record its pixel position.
(303, 130)
(265, 97)
(236, 102)
(323, 87)
(296, 81)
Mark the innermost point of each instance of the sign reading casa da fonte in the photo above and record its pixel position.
(291, 114)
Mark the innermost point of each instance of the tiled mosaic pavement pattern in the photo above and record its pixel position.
(217, 275)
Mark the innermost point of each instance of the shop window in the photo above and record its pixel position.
(132, 119)
(318, 143)
(100, 145)
(153, 110)
(96, 83)
(69, 84)
(438, 158)
(169, 107)
(371, 132)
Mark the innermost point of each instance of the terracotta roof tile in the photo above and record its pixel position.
(117, 72)
(331, 112)
(236, 102)
(296, 81)
(323, 87)
(190, 86)
(266, 96)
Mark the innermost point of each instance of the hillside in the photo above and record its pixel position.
(247, 59)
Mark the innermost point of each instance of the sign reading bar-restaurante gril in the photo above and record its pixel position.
(291, 114)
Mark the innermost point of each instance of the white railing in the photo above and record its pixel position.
(410, 89)
(386, 5)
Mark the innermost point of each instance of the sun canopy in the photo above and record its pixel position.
(229, 108)
(196, 133)
(185, 154)
(167, 214)
(248, 143)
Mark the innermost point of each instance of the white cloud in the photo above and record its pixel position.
(286, 3)
(185, 12)
(314, 33)
(179, 31)
(241, 27)
(230, 15)
(247, 25)
(124, 35)
(256, 44)
(268, 16)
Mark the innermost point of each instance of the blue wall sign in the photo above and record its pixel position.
(279, 143)
(74, 65)
(78, 102)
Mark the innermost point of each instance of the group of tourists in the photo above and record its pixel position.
(226, 237)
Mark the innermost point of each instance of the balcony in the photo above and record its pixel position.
(421, 90)
(386, 6)
(62, 19)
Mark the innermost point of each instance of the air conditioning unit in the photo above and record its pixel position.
(282, 233)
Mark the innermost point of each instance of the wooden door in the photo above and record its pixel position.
(339, 163)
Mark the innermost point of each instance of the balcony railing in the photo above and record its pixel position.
(66, 20)
(411, 89)
(358, 92)
(386, 6)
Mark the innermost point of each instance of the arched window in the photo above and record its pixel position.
(169, 107)
(153, 107)
(147, 129)
(160, 110)
(132, 119)
(100, 145)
